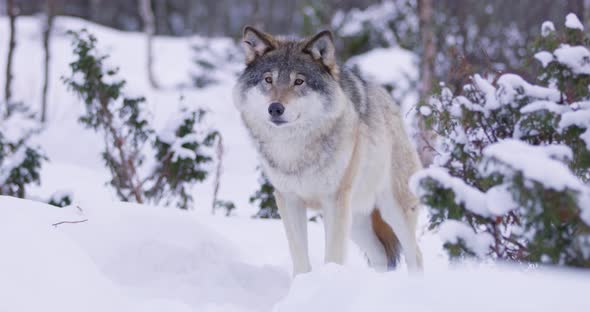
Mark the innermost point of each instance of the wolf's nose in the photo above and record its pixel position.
(276, 109)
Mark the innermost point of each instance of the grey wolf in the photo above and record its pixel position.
(329, 140)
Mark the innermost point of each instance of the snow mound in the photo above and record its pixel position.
(124, 258)
(334, 288)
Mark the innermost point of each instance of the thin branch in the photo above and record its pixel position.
(69, 222)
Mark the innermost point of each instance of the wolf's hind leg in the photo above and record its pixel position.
(364, 236)
(294, 216)
(403, 228)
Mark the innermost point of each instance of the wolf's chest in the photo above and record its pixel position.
(306, 170)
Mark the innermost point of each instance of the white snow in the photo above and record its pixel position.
(490, 289)
(577, 58)
(472, 198)
(425, 110)
(499, 200)
(543, 164)
(387, 65)
(580, 118)
(573, 22)
(489, 92)
(12, 162)
(544, 57)
(509, 86)
(452, 231)
(547, 28)
(18, 127)
(536, 163)
(127, 257)
(544, 105)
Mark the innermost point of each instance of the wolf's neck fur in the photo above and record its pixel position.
(302, 149)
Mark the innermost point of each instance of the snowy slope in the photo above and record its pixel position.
(124, 257)
(130, 258)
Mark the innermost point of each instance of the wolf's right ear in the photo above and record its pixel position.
(321, 48)
(256, 43)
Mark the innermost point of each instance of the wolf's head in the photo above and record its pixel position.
(288, 85)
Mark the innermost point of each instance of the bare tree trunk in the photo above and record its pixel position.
(149, 27)
(425, 137)
(257, 14)
(219, 153)
(162, 16)
(11, 9)
(50, 11)
(94, 13)
(576, 7)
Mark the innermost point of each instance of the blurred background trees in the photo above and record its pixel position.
(463, 27)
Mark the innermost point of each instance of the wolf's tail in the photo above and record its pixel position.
(387, 238)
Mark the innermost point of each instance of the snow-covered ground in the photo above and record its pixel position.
(126, 257)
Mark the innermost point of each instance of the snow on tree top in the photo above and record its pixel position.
(577, 58)
(452, 231)
(573, 22)
(514, 82)
(536, 162)
(544, 105)
(544, 57)
(472, 198)
(579, 118)
(547, 28)
(17, 127)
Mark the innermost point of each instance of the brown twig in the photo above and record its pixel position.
(69, 222)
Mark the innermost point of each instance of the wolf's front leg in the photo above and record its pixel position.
(337, 225)
(294, 216)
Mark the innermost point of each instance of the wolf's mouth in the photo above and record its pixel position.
(280, 121)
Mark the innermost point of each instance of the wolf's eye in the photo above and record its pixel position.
(268, 80)
(298, 82)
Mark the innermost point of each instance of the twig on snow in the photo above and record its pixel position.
(69, 222)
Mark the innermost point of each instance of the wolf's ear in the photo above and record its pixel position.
(256, 43)
(321, 48)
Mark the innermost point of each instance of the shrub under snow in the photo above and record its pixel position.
(20, 161)
(182, 149)
(510, 180)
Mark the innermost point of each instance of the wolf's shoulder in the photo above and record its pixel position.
(367, 97)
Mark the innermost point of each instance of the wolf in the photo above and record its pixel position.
(329, 140)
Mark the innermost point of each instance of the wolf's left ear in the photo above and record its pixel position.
(256, 43)
(321, 48)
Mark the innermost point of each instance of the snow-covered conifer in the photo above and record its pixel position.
(510, 180)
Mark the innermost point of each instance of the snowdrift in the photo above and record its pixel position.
(124, 258)
(127, 257)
